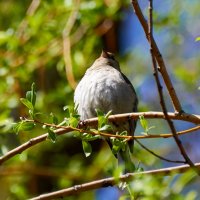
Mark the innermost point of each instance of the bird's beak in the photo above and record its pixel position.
(104, 54)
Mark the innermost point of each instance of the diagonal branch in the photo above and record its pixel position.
(23, 25)
(67, 44)
(106, 182)
(162, 101)
(27, 145)
(159, 59)
(156, 155)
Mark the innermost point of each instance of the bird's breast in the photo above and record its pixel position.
(104, 89)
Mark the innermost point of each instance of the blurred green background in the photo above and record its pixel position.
(52, 43)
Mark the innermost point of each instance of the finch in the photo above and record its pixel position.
(106, 88)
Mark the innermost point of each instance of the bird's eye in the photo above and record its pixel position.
(111, 56)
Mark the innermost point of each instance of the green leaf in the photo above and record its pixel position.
(117, 172)
(87, 148)
(99, 112)
(139, 169)
(182, 181)
(54, 118)
(101, 118)
(145, 126)
(23, 126)
(115, 149)
(73, 121)
(197, 39)
(67, 109)
(76, 116)
(108, 114)
(76, 108)
(31, 112)
(123, 133)
(27, 103)
(52, 135)
(106, 127)
(28, 96)
(143, 122)
(118, 143)
(31, 95)
(89, 137)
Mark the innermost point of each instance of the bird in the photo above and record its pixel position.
(106, 88)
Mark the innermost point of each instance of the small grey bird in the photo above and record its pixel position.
(106, 88)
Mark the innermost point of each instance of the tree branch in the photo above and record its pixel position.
(23, 25)
(120, 117)
(159, 59)
(159, 87)
(67, 45)
(150, 115)
(156, 155)
(111, 182)
(27, 145)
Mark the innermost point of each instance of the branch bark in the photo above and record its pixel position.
(120, 117)
(150, 115)
(67, 45)
(111, 182)
(159, 59)
(160, 91)
(23, 25)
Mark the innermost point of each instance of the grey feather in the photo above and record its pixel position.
(105, 87)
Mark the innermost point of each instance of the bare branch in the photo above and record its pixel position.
(156, 155)
(67, 44)
(27, 145)
(111, 182)
(159, 59)
(162, 101)
(23, 25)
(150, 115)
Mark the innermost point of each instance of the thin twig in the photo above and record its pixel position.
(30, 168)
(67, 44)
(159, 59)
(156, 155)
(27, 145)
(79, 34)
(111, 182)
(30, 12)
(162, 100)
(128, 137)
(65, 129)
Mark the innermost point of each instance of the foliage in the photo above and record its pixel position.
(31, 48)
(144, 124)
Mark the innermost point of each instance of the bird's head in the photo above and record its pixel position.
(107, 58)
